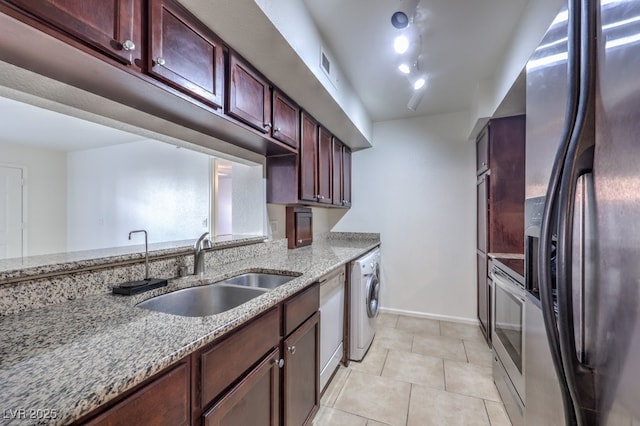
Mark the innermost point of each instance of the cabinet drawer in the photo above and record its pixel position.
(164, 401)
(254, 401)
(300, 307)
(226, 361)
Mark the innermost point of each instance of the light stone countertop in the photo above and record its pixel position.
(74, 356)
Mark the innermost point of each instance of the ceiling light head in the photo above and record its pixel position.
(404, 68)
(419, 83)
(401, 44)
(400, 20)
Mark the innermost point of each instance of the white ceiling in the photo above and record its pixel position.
(462, 43)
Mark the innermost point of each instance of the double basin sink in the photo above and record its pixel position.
(215, 298)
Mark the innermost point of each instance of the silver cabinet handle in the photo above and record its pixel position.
(299, 241)
(128, 45)
(484, 164)
(292, 349)
(277, 129)
(279, 362)
(159, 61)
(268, 125)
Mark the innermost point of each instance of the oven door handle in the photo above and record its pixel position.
(512, 289)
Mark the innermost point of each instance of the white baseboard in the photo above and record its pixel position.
(462, 320)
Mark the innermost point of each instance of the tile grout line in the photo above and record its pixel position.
(409, 404)
(486, 410)
(341, 388)
(466, 352)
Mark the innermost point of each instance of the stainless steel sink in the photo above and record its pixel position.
(259, 280)
(202, 300)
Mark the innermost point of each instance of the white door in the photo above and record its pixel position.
(10, 212)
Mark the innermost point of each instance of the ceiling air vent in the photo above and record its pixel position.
(325, 64)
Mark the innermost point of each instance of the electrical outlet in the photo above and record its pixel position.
(274, 226)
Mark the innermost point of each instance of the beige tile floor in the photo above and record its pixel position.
(417, 372)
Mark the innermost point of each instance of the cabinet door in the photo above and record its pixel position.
(482, 194)
(285, 122)
(337, 172)
(482, 151)
(112, 26)
(324, 166)
(483, 296)
(249, 95)
(302, 373)
(308, 158)
(164, 401)
(184, 53)
(299, 224)
(254, 401)
(346, 176)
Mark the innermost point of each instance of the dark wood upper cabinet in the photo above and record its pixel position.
(249, 95)
(324, 166)
(111, 26)
(286, 119)
(346, 176)
(482, 151)
(482, 196)
(184, 53)
(337, 172)
(308, 158)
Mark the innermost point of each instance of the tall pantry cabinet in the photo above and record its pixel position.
(500, 201)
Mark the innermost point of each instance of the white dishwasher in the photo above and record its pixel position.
(331, 323)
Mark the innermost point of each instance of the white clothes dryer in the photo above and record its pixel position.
(365, 290)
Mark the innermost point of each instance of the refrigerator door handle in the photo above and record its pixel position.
(550, 213)
(578, 162)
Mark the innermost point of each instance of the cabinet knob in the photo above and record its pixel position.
(276, 130)
(279, 362)
(128, 45)
(268, 125)
(299, 241)
(484, 164)
(159, 61)
(292, 349)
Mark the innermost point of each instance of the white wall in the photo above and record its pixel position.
(248, 200)
(143, 185)
(294, 22)
(535, 19)
(46, 189)
(416, 187)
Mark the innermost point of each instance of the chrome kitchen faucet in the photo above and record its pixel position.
(198, 253)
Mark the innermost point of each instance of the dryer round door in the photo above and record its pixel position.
(373, 290)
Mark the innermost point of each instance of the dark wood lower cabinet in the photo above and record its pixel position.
(165, 400)
(484, 301)
(301, 373)
(254, 401)
(266, 372)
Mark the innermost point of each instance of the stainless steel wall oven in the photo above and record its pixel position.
(508, 336)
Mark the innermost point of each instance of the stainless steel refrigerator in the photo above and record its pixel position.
(582, 316)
